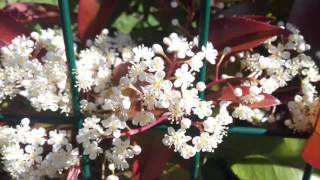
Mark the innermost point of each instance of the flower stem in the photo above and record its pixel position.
(218, 66)
(132, 132)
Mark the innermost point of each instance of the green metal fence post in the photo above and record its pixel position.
(68, 40)
(307, 173)
(203, 39)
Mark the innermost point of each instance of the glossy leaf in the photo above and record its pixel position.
(227, 94)
(242, 33)
(258, 18)
(153, 159)
(311, 150)
(263, 168)
(33, 13)
(93, 16)
(9, 29)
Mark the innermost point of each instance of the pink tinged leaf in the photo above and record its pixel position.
(242, 33)
(268, 101)
(2, 123)
(93, 16)
(33, 13)
(227, 94)
(74, 172)
(9, 28)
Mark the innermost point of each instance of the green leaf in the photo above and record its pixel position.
(125, 23)
(263, 168)
(285, 150)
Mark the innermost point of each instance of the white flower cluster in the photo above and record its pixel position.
(24, 151)
(214, 128)
(284, 62)
(151, 80)
(35, 68)
(243, 111)
(120, 152)
(304, 108)
(126, 89)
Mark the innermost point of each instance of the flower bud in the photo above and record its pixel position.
(157, 48)
(237, 92)
(201, 86)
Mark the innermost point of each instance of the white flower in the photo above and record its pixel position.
(176, 138)
(36, 136)
(121, 151)
(210, 53)
(156, 64)
(253, 96)
(243, 112)
(113, 125)
(57, 139)
(196, 61)
(136, 149)
(269, 85)
(203, 109)
(201, 86)
(92, 123)
(185, 123)
(157, 83)
(205, 142)
(112, 177)
(93, 150)
(143, 118)
(209, 124)
(142, 52)
(190, 100)
(187, 151)
(237, 92)
(179, 45)
(184, 77)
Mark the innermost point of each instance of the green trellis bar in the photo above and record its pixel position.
(64, 6)
(14, 119)
(307, 172)
(203, 39)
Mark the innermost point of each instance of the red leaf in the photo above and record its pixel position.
(227, 94)
(93, 16)
(74, 172)
(311, 150)
(242, 33)
(312, 147)
(33, 13)
(258, 18)
(9, 28)
(152, 161)
(119, 71)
